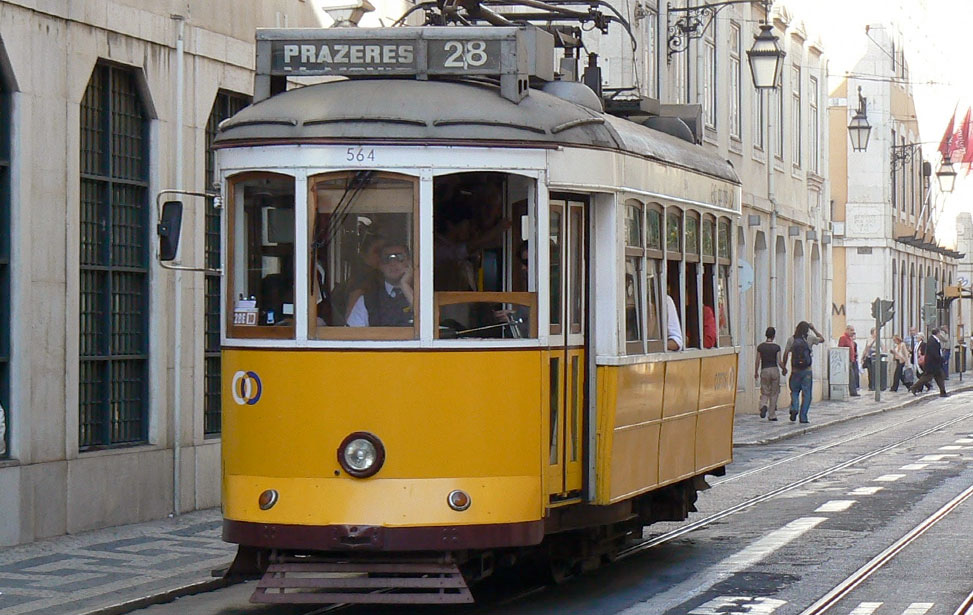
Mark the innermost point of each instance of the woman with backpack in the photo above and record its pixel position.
(798, 348)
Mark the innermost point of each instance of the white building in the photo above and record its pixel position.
(885, 199)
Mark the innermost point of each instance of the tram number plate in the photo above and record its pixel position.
(360, 154)
(475, 56)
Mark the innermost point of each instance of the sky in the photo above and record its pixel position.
(937, 36)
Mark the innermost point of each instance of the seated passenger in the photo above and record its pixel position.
(674, 329)
(366, 275)
(391, 303)
(709, 327)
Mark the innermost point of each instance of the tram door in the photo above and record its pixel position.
(567, 358)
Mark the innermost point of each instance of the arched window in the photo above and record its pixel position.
(226, 105)
(724, 276)
(114, 261)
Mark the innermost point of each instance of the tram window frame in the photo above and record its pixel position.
(653, 270)
(709, 269)
(234, 210)
(470, 233)
(675, 268)
(692, 315)
(724, 278)
(370, 333)
(635, 238)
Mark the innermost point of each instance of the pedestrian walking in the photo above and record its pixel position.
(900, 353)
(869, 355)
(848, 341)
(933, 366)
(798, 348)
(768, 369)
(919, 359)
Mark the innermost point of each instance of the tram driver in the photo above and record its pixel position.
(389, 304)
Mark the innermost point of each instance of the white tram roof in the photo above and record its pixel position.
(447, 112)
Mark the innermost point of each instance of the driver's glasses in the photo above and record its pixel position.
(394, 257)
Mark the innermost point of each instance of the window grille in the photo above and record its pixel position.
(226, 105)
(114, 277)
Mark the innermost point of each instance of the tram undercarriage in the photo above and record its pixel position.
(578, 539)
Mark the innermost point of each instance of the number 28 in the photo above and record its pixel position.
(473, 53)
(359, 154)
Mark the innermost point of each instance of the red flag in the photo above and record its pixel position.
(959, 141)
(945, 146)
(968, 136)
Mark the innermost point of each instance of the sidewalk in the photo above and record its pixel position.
(750, 430)
(117, 570)
(114, 570)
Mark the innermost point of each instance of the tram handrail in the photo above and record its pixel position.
(526, 299)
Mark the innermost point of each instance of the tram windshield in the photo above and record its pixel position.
(482, 256)
(363, 256)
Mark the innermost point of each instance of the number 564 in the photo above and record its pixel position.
(359, 154)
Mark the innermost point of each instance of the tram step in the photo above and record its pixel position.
(361, 582)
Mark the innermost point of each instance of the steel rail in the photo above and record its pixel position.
(965, 607)
(826, 602)
(685, 529)
(819, 449)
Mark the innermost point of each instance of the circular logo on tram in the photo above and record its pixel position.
(246, 388)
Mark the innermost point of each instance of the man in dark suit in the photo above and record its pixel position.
(932, 366)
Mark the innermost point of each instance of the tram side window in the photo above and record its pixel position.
(724, 263)
(693, 275)
(675, 333)
(634, 259)
(653, 273)
(709, 278)
(261, 256)
(481, 258)
(363, 256)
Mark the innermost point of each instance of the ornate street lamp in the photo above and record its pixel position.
(946, 176)
(766, 59)
(859, 129)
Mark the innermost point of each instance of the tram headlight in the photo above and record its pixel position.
(361, 454)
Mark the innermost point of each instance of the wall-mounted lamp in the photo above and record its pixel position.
(766, 57)
(859, 129)
(946, 176)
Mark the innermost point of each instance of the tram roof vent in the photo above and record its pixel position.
(575, 92)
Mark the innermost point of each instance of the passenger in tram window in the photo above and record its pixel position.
(365, 276)
(674, 339)
(709, 327)
(391, 303)
(709, 315)
(519, 316)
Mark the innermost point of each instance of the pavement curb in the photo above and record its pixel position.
(844, 419)
(168, 595)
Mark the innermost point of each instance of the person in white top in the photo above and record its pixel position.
(674, 329)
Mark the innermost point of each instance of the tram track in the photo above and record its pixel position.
(965, 607)
(833, 597)
(645, 545)
(695, 525)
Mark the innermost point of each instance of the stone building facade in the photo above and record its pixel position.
(886, 200)
(89, 122)
(784, 235)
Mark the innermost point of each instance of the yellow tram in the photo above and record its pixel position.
(453, 286)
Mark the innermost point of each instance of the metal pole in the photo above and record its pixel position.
(177, 297)
(877, 352)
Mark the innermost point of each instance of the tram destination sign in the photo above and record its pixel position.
(511, 54)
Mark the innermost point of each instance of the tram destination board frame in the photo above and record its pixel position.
(513, 54)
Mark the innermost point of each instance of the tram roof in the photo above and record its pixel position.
(437, 112)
